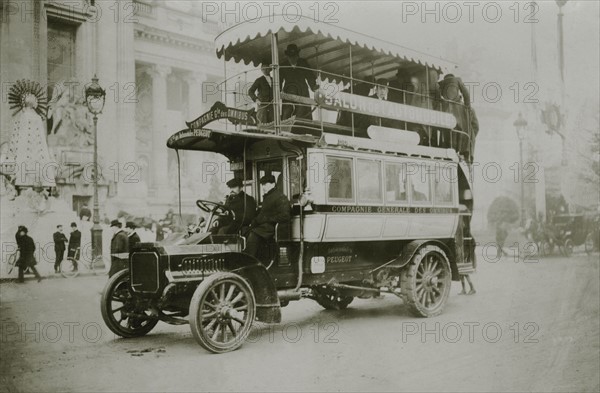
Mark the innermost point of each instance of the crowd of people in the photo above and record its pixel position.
(423, 89)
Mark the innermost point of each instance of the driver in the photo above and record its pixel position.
(275, 210)
(241, 204)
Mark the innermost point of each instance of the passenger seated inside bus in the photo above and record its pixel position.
(275, 210)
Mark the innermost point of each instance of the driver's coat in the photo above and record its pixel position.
(244, 209)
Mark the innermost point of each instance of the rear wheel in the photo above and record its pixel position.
(222, 311)
(120, 311)
(69, 268)
(568, 248)
(426, 282)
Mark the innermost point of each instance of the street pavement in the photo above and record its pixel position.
(531, 327)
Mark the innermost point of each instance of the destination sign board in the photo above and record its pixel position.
(221, 111)
(385, 109)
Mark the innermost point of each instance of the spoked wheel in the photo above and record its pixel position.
(548, 248)
(568, 247)
(69, 268)
(331, 299)
(426, 282)
(222, 311)
(589, 243)
(120, 311)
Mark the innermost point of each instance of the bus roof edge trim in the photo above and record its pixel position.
(230, 43)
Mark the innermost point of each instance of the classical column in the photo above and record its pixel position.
(195, 104)
(159, 164)
(125, 109)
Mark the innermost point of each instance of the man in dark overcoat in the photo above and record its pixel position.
(119, 249)
(60, 242)
(296, 77)
(26, 254)
(456, 93)
(261, 92)
(74, 244)
(275, 210)
(132, 237)
(241, 204)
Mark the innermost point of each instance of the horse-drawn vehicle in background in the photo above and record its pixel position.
(569, 230)
(374, 210)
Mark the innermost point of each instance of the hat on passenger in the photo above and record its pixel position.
(292, 50)
(235, 182)
(267, 179)
(116, 223)
(130, 224)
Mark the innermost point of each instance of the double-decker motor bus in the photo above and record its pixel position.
(380, 202)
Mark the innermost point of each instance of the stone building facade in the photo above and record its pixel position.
(154, 58)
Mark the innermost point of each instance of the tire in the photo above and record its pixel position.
(117, 290)
(568, 248)
(589, 243)
(223, 306)
(426, 281)
(330, 299)
(67, 268)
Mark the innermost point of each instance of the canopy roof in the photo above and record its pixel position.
(325, 46)
(229, 143)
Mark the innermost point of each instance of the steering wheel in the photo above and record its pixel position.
(214, 211)
(213, 207)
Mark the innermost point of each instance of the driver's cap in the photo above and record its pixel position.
(235, 182)
(267, 179)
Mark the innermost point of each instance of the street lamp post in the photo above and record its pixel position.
(521, 125)
(94, 97)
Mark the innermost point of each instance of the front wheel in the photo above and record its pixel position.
(222, 311)
(120, 310)
(426, 282)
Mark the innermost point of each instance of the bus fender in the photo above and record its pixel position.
(411, 249)
(268, 308)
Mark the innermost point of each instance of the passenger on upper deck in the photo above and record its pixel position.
(397, 86)
(454, 90)
(361, 122)
(263, 85)
(296, 77)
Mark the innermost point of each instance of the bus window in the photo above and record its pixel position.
(420, 185)
(396, 182)
(369, 180)
(339, 179)
(294, 181)
(444, 177)
(270, 167)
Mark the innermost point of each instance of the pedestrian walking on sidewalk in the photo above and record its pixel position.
(26, 251)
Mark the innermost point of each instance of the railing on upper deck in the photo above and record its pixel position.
(460, 138)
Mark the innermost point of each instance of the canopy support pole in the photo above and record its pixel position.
(276, 90)
(179, 185)
(428, 102)
(351, 87)
(225, 85)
